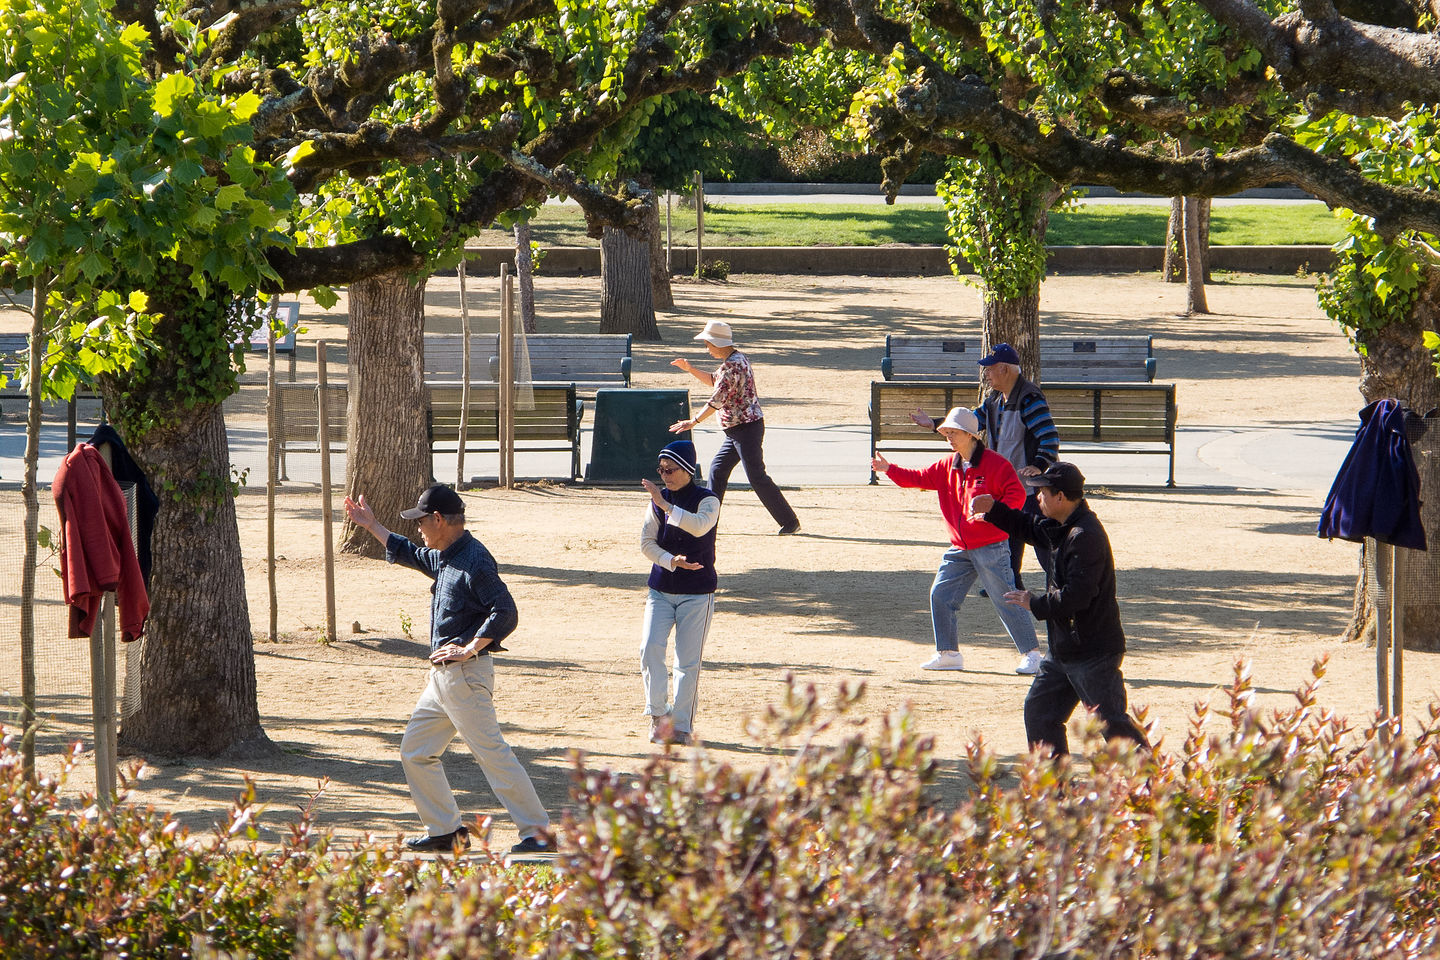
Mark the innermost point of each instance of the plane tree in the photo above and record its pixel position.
(1338, 98)
(250, 110)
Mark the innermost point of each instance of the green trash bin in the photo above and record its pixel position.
(630, 428)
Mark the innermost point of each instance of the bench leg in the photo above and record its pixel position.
(1171, 481)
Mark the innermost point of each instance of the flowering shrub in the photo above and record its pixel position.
(1288, 834)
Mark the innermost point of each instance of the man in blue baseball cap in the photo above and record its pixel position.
(678, 538)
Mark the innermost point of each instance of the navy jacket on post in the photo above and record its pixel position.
(1377, 491)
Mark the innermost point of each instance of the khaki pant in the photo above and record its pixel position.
(457, 699)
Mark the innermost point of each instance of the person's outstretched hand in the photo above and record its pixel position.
(923, 419)
(359, 512)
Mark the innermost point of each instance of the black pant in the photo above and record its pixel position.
(1017, 547)
(1061, 685)
(742, 445)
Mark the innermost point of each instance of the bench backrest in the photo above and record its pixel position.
(444, 353)
(297, 412)
(1121, 359)
(12, 345)
(553, 416)
(1097, 359)
(1115, 413)
(892, 403)
(582, 357)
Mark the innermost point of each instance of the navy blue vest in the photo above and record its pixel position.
(674, 540)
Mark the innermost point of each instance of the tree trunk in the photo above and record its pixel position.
(1194, 260)
(1174, 269)
(627, 303)
(30, 493)
(1397, 365)
(389, 459)
(1016, 322)
(525, 272)
(197, 674)
(661, 296)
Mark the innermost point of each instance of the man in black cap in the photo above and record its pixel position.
(471, 611)
(1081, 613)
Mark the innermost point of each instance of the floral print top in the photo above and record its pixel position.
(735, 399)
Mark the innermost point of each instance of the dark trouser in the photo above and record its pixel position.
(1060, 686)
(742, 445)
(1017, 547)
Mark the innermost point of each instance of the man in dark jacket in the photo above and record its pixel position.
(1081, 613)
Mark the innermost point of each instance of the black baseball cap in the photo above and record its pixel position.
(436, 499)
(1065, 477)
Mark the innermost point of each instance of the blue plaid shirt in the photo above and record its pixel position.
(468, 598)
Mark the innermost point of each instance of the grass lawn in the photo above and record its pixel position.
(807, 224)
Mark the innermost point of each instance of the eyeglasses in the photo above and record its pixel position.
(666, 471)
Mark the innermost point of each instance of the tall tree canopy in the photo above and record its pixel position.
(519, 93)
(1198, 98)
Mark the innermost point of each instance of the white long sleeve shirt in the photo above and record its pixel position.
(696, 524)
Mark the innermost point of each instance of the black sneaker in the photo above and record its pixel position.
(445, 843)
(532, 845)
(790, 528)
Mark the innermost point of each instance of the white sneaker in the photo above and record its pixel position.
(944, 660)
(1029, 663)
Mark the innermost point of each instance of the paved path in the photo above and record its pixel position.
(1241, 457)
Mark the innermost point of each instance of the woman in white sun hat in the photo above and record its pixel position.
(738, 406)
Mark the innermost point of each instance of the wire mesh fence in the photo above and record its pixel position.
(63, 704)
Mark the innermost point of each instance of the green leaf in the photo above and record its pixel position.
(171, 89)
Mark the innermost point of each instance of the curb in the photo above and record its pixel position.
(892, 261)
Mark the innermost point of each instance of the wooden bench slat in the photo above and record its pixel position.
(1132, 417)
(554, 419)
(1121, 359)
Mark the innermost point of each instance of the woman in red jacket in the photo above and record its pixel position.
(977, 549)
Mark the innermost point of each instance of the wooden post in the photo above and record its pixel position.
(271, 451)
(669, 238)
(102, 690)
(699, 222)
(1397, 635)
(325, 511)
(507, 377)
(464, 379)
(1383, 554)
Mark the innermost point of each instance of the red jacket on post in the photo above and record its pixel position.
(991, 474)
(96, 552)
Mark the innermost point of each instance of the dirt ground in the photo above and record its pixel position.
(1207, 575)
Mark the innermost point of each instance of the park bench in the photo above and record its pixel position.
(296, 423)
(591, 361)
(15, 397)
(551, 423)
(1123, 359)
(1133, 418)
(444, 353)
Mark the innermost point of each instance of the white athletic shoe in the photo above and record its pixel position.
(944, 660)
(1029, 663)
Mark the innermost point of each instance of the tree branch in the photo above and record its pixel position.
(1317, 47)
(342, 263)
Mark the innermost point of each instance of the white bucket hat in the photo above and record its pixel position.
(716, 332)
(961, 418)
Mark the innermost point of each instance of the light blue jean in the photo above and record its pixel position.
(689, 615)
(957, 573)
